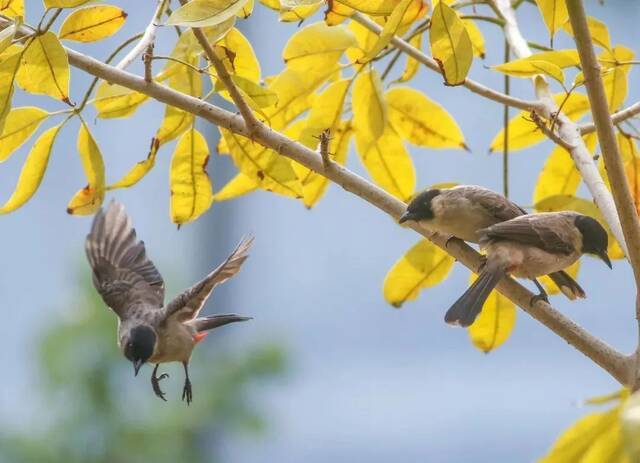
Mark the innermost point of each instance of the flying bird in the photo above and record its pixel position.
(464, 210)
(529, 246)
(148, 330)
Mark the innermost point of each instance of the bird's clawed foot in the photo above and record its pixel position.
(187, 392)
(542, 296)
(452, 239)
(155, 382)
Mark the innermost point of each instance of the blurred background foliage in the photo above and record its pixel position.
(87, 389)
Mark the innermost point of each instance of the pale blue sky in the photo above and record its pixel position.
(367, 381)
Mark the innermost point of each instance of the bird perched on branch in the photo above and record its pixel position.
(529, 246)
(148, 330)
(464, 210)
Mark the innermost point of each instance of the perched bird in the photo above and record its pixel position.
(529, 246)
(464, 210)
(129, 283)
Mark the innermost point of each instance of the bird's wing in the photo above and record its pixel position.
(122, 273)
(497, 205)
(186, 306)
(546, 233)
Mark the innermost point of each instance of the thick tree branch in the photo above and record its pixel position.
(616, 118)
(606, 134)
(601, 353)
(609, 146)
(147, 39)
(429, 62)
(568, 131)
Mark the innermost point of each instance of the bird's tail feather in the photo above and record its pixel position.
(464, 311)
(568, 285)
(214, 321)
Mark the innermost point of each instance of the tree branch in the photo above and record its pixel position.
(567, 130)
(600, 352)
(608, 143)
(429, 62)
(612, 361)
(616, 118)
(148, 38)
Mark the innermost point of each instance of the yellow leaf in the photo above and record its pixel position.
(116, 101)
(245, 63)
(246, 10)
(264, 166)
(365, 40)
(631, 160)
(295, 94)
(317, 47)
(371, 7)
(175, 123)
(495, 322)
(315, 185)
(585, 436)
(337, 14)
(273, 4)
(554, 13)
(389, 30)
(598, 29)
(8, 70)
(559, 176)
(325, 113)
(523, 132)
(550, 287)
(12, 8)
(369, 106)
(422, 121)
(630, 417)
(45, 67)
(20, 124)
(423, 266)
(261, 96)
(138, 171)
(450, 44)
(89, 199)
(64, 3)
(476, 37)
(237, 186)
(299, 13)
(413, 65)
(388, 162)
(191, 193)
(616, 80)
(92, 23)
(529, 68)
(32, 171)
(202, 13)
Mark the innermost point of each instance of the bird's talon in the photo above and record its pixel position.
(155, 383)
(537, 298)
(187, 392)
(451, 239)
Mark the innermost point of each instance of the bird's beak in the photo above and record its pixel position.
(136, 366)
(406, 216)
(605, 258)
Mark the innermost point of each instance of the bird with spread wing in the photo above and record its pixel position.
(150, 331)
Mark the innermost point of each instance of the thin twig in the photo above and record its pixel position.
(488, 19)
(148, 37)
(225, 78)
(390, 64)
(147, 59)
(505, 125)
(616, 118)
(325, 139)
(548, 131)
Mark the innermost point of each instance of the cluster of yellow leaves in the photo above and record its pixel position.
(610, 436)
